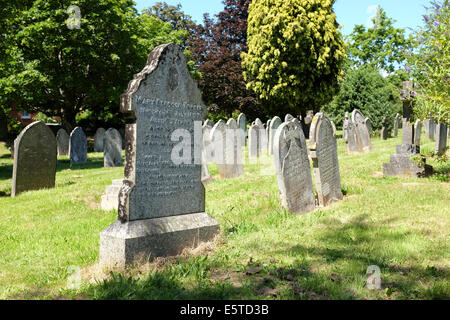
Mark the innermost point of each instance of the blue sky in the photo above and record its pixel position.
(408, 13)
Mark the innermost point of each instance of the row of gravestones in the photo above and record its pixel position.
(36, 150)
(356, 132)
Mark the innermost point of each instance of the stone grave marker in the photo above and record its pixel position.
(274, 124)
(112, 147)
(110, 200)
(254, 147)
(323, 152)
(352, 138)
(345, 127)
(430, 128)
(206, 153)
(417, 132)
(384, 132)
(35, 157)
(396, 124)
(368, 124)
(362, 133)
(98, 140)
(441, 139)
(162, 199)
(209, 123)
(78, 146)
(234, 156)
(293, 169)
(62, 142)
(242, 124)
(288, 118)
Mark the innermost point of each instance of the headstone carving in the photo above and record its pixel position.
(362, 133)
(98, 140)
(112, 147)
(78, 146)
(274, 124)
(34, 159)
(323, 152)
(293, 169)
(162, 200)
(405, 162)
(62, 141)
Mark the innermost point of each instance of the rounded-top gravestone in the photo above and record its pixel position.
(35, 159)
(242, 124)
(62, 141)
(112, 145)
(362, 132)
(78, 146)
(274, 124)
(98, 140)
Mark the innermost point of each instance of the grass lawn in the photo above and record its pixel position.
(400, 225)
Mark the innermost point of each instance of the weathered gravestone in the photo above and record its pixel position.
(407, 162)
(288, 118)
(98, 140)
(345, 127)
(352, 138)
(112, 146)
(242, 124)
(362, 133)
(396, 124)
(334, 128)
(308, 120)
(368, 124)
(417, 132)
(62, 142)
(207, 146)
(206, 132)
(323, 152)
(78, 146)
(110, 200)
(34, 159)
(293, 169)
(256, 140)
(384, 131)
(209, 123)
(274, 124)
(430, 128)
(162, 199)
(267, 134)
(441, 139)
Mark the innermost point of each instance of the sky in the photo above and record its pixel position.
(408, 13)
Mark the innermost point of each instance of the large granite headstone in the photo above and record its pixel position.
(441, 139)
(162, 199)
(362, 132)
(34, 159)
(98, 140)
(242, 124)
(78, 146)
(274, 124)
(62, 142)
(323, 152)
(293, 169)
(112, 148)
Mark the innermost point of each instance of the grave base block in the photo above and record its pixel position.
(404, 167)
(125, 244)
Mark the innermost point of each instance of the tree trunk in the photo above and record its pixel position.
(3, 126)
(68, 119)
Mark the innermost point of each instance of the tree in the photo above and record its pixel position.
(295, 54)
(172, 14)
(381, 46)
(429, 64)
(61, 70)
(365, 89)
(216, 48)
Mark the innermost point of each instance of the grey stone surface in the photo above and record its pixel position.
(112, 146)
(122, 134)
(362, 133)
(368, 124)
(98, 140)
(384, 131)
(208, 123)
(206, 153)
(352, 138)
(396, 124)
(257, 140)
(417, 132)
(110, 200)
(430, 128)
(288, 118)
(162, 199)
(62, 142)
(78, 146)
(408, 133)
(34, 160)
(334, 128)
(134, 242)
(307, 123)
(441, 139)
(242, 124)
(345, 127)
(293, 169)
(323, 152)
(274, 124)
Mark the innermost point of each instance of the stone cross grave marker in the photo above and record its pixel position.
(293, 169)
(162, 199)
(323, 152)
(35, 157)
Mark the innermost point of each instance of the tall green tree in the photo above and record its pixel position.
(61, 65)
(296, 53)
(173, 14)
(382, 45)
(430, 63)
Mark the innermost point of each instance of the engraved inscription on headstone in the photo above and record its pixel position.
(323, 152)
(293, 169)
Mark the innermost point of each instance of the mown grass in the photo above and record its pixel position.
(400, 225)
